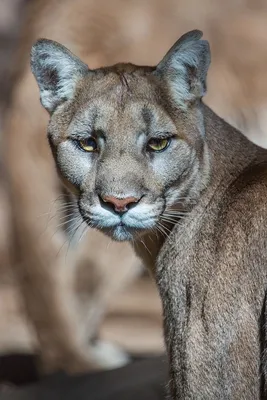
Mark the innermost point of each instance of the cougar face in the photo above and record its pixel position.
(129, 141)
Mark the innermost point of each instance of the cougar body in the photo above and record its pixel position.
(150, 163)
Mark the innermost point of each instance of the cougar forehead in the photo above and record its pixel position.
(120, 83)
(105, 96)
(122, 92)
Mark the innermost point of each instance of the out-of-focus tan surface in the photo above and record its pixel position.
(134, 319)
(10, 19)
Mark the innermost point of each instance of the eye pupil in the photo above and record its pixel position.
(158, 145)
(88, 144)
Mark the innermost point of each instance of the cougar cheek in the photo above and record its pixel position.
(74, 164)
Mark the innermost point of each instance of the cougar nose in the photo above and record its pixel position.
(120, 205)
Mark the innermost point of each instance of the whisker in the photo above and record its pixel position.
(71, 239)
(173, 219)
(155, 232)
(161, 229)
(64, 218)
(109, 243)
(85, 230)
(62, 209)
(162, 233)
(164, 227)
(67, 222)
(68, 239)
(146, 247)
(169, 220)
(175, 216)
(143, 243)
(174, 212)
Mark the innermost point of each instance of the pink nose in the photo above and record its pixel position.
(120, 205)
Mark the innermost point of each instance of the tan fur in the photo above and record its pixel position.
(102, 33)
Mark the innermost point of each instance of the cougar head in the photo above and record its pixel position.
(128, 140)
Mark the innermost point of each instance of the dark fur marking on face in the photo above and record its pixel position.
(93, 119)
(123, 80)
(147, 117)
(125, 89)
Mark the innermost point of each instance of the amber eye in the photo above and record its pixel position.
(158, 144)
(88, 144)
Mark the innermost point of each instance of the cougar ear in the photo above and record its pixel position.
(56, 71)
(185, 68)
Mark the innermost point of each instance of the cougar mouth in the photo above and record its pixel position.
(127, 226)
(117, 228)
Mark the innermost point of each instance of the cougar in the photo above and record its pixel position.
(148, 162)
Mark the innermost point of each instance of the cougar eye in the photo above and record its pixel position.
(158, 144)
(89, 144)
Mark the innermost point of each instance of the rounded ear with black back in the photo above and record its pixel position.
(185, 67)
(56, 71)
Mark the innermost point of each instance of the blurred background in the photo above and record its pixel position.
(104, 32)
